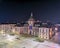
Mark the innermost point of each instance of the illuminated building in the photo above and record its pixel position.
(31, 27)
(7, 28)
(45, 33)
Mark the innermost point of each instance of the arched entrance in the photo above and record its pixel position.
(30, 32)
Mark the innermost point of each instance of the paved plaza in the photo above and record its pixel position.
(26, 43)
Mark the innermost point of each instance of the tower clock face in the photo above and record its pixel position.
(30, 22)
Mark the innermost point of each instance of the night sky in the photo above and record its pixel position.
(17, 11)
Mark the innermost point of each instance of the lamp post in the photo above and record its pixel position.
(56, 34)
(56, 29)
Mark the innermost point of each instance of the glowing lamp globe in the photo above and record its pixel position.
(56, 29)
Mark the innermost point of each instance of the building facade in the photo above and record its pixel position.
(31, 27)
(45, 33)
(6, 28)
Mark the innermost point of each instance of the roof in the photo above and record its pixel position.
(7, 23)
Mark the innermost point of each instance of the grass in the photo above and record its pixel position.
(26, 35)
(39, 39)
(3, 45)
(35, 38)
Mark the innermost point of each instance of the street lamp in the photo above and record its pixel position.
(56, 29)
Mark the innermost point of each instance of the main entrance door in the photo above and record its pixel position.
(30, 32)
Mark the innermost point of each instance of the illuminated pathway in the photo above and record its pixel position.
(27, 43)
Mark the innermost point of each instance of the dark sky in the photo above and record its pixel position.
(17, 11)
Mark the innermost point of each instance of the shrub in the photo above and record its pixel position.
(40, 39)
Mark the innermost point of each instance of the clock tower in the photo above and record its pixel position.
(31, 23)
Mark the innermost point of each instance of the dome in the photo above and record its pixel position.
(31, 19)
